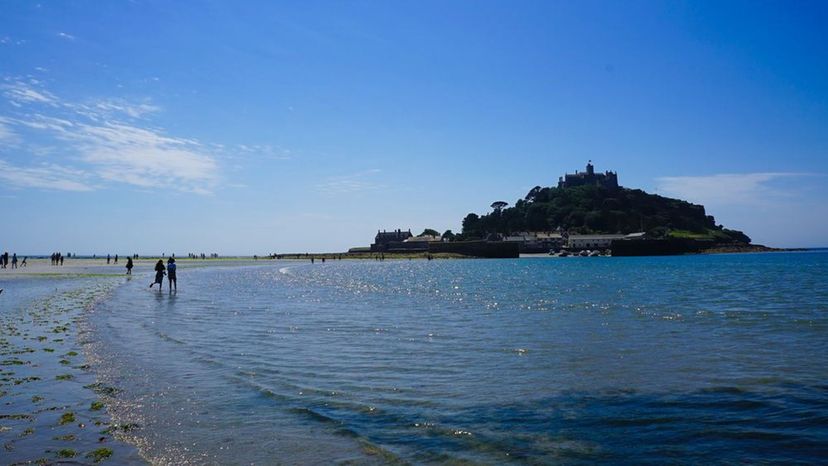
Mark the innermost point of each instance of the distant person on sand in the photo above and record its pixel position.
(116, 258)
(108, 258)
(159, 274)
(14, 260)
(129, 266)
(171, 273)
(23, 264)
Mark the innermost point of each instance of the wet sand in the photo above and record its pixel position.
(76, 267)
(52, 407)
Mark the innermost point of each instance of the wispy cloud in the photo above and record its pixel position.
(20, 92)
(105, 138)
(261, 151)
(46, 176)
(118, 106)
(64, 35)
(6, 40)
(720, 189)
(6, 134)
(146, 158)
(353, 183)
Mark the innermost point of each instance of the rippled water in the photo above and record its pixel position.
(693, 359)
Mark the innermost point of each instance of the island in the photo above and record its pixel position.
(591, 211)
(587, 214)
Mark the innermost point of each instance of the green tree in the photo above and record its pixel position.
(498, 206)
(471, 225)
(533, 194)
(596, 209)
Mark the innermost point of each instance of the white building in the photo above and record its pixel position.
(599, 241)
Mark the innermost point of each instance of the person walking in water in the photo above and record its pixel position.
(159, 274)
(171, 274)
(129, 266)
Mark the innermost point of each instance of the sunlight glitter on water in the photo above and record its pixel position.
(699, 357)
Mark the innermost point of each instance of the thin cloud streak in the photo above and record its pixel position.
(46, 176)
(721, 189)
(20, 93)
(349, 184)
(115, 106)
(7, 135)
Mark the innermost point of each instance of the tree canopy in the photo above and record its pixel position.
(497, 206)
(595, 209)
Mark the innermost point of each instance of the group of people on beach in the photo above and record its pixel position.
(160, 271)
(193, 255)
(4, 261)
(57, 258)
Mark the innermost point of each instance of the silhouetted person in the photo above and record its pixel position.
(129, 266)
(116, 258)
(171, 273)
(61, 259)
(23, 264)
(159, 274)
(108, 258)
(14, 260)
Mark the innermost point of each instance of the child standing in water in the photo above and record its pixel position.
(159, 274)
(171, 273)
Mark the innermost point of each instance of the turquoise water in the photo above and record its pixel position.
(691, 359)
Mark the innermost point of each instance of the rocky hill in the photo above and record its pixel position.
(596, 209)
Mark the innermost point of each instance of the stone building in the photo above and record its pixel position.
(589, 178)
(386, 240)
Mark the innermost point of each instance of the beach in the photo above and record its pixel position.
(53, 407)
(706, 358)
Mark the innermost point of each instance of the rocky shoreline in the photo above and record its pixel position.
(746, 248)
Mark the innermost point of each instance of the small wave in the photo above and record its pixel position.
(166, 337)
(315, 415)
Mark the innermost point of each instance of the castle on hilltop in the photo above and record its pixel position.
(589, 178)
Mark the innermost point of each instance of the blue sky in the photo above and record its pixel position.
(251, 127)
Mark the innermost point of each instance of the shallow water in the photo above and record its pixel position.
(693, 359)
(49, 411)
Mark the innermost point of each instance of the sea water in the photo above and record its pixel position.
(691, 359)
